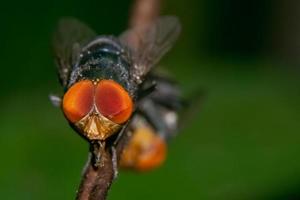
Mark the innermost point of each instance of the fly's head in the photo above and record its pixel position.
(97, 108)
(145, 151)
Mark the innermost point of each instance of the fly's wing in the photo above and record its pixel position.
(148, 44)
(68, 39)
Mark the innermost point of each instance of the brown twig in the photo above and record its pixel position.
(144, 12)
(96, 181)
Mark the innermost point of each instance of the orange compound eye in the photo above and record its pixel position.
(145, 151)
(78, 100)
(153, 156)
(113, 101)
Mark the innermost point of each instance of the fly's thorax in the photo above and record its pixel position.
(103, 58)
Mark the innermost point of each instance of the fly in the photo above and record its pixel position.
(106, 78)
(153, 127)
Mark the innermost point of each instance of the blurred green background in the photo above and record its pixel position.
(243, 143)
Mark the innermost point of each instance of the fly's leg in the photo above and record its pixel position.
(170, 102)
(113, 149)
(97, 149)
(55, 100)
(154, 117)
(150, 88)
(114, 161)
(119, 135)
(167, 94)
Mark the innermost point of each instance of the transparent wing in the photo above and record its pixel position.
(149, 43)
(69, 37)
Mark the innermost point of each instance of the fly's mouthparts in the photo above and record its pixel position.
(97, 127)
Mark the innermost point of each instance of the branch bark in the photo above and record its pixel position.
(96, 181)
(144, 12)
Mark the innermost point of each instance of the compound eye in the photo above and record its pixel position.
(145, 150)
(113, 101)
(78, 100)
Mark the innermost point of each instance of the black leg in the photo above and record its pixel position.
(153, 117)
(97, 149)
(147, 90)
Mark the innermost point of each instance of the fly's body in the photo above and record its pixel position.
(106, 78)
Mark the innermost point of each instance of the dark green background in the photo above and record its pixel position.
(242, 144)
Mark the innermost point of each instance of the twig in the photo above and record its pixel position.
(144, 12)
(96, 181)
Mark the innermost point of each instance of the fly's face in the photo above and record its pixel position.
(145, 151)
(97, 109)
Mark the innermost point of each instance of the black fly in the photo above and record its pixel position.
(109, 80)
